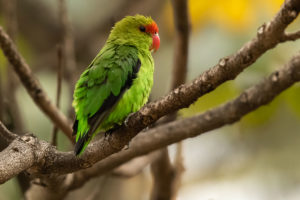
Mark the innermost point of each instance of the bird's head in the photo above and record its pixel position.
(138, 30)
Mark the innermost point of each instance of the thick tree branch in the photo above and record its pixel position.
(21, 154)
(32, 85)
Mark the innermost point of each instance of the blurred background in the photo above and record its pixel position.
(254, 159)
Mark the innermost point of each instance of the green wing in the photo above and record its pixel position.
(99, 89)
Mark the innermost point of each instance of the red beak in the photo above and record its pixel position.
(155, 42)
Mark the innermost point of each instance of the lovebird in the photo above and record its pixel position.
(117, 82)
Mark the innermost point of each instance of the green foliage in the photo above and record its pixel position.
(2, 64)
(25, 50)
(292, 98)
(220, 95)
(10, 190)
(229, 90)
(262, 115)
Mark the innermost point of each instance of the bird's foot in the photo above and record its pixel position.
(127, 118)
(110, 131)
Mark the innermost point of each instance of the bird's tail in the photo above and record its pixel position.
(81, 144)
(83, 141)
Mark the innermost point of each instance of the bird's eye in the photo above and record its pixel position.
(142, 28)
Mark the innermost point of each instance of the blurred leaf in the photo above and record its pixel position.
(230, 15)
(220, 95)
(2, 63)
(262, 115)
(234, 15)
(63, 142)
(10, 190)
(25, 49)
(30, 112)
(292, 97)
(2, 58)
(273, 5)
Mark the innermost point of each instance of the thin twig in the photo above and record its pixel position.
(182, 29)
(58, 89)
(11, 22)
(163, 176)
(67, 41)
(6, 135)
(10, 16)
(179, 169)
(32, 85)
(291, 36)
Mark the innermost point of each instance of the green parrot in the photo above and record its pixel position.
(118, 81)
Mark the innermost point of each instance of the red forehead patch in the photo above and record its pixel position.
(152, 28)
